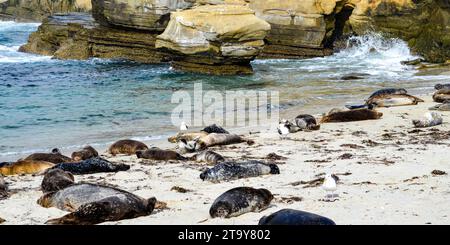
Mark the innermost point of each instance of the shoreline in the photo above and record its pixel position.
(384, 168)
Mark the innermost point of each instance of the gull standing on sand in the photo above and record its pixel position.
(283, 129)
(329, 185)
(183, 126)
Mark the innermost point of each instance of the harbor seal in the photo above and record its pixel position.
(55, 180)
(231, 171)
(294, 217)
(388, 91)
(127, 147)
(219, 139)
(430, 119)
(187, 136)
(240, 200)
(209, 157)
(441, 107)
(84, 154)
(351, 115)
(159, 155)
(54, 157)
(441, 96)
(92, 166)
(92, 204)
(442, 86)
(306, 122)
(390, 100)
(25, 167)
(3, 188)
(214, 129)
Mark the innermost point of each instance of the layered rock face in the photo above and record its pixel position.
(37, 10)
(150, 15)
(78, 36)
(215, 39)
(424, 24)
(300, 29)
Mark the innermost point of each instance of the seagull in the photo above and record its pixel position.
(329, 185)
(183, 126)
(283, 129)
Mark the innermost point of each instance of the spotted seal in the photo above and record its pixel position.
(214, 129)
(209, 157)
(231, 171)
(442, 86)
(25, 167)
(430, 119)
(84, 154)
(306, 122)
(294, 217)
(92, 166)
(127, 147)
(92, 204)
(55, 180)
(159, 155)
(54, 157)
(240, 200)
(3, 188)
(351, 115)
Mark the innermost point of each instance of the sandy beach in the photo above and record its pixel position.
(385, 169)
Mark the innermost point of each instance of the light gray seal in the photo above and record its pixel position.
(294, 217)
(92, 204)
(240, 200)
(306, 122)
(231, 171)
(209, 157)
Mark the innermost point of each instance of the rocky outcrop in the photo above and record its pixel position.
(424, 24)
(78, 36)
(37, 10)
(150, 15)
(215, 39)
(300, 29)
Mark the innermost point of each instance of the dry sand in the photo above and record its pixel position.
(384, 168)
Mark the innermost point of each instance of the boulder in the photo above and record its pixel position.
(150, 15)
(36, 10)
(78, 36)
(216, 39)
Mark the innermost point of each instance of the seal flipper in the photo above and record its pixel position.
(87, 214)
(354, 107)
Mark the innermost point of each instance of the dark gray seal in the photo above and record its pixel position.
(92, 166)
(240, 200)
(92, 204)
(159, 155)
(55, 180)
(3, 188)
(441, 107)
(215, 129)
(442, 86)
(294, 217)
(306, 122)
(389, 91)
(227, 171)
(54, 157)
(84, 154)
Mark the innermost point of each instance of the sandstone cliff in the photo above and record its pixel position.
(37, 10)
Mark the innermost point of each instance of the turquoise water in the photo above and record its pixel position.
(46, 103)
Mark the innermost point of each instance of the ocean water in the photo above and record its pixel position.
(46, 103)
